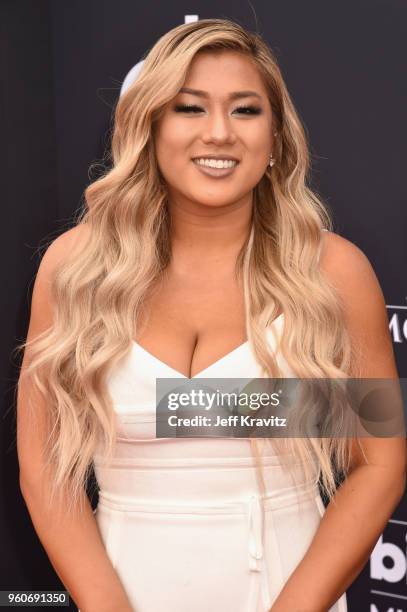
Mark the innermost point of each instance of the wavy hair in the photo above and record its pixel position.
(99, 290)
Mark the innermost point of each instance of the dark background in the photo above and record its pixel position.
(62, 64)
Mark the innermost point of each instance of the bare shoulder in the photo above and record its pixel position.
(62, 247)
(341, 257)
(349, 271)
(348, 268)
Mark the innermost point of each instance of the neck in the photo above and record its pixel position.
(207, 233)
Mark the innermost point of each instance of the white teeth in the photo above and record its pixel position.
(215, 163)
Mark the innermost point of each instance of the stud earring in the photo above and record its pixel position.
(272, 161)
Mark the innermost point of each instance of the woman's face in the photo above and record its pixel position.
(220, 123)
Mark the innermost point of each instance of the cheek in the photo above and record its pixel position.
(259, 153)
(259, 138)
(251, 173)
(172, 137)
(171, 145)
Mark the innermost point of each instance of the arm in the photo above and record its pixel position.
(73, 543)
(349, 529)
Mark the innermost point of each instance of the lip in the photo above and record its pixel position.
(222, 157)
(215, 172)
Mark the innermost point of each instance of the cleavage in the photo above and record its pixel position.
(190, 330)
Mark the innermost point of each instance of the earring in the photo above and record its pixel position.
(272, 161)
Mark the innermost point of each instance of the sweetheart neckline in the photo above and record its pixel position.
(220, 360)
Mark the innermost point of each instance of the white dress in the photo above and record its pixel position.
(181, 518)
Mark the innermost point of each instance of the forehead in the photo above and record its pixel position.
(220, 72)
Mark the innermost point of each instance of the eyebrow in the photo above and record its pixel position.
(232, 96)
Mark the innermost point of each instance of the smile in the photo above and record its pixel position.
(215, 167)
(216, 163)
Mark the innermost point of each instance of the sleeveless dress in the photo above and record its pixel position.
(181, 518)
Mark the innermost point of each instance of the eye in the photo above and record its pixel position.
(252, 110)
(192, 108)
(187, 108)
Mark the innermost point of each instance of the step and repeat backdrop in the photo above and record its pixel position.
(63, 67)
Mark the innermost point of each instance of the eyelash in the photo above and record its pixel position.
(254, 110)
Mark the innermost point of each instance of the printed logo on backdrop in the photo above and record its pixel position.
(398, 323)
(388, 561)
(388, 569)
(135, 71)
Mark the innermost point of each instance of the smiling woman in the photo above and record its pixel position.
(226, 133)
(201, 255)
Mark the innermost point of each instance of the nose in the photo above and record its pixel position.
(218, 128)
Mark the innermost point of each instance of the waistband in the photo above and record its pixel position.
(271, 501)
(281, 460)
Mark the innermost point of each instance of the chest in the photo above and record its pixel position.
(189, 323)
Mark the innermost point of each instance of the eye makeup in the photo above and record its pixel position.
(193, 109)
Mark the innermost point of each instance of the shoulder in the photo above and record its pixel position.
(63, 246)
(348, 268)
(338, 251)
(349, 271)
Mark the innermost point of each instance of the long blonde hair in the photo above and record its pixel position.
(99, 290)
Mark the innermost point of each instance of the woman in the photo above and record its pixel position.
(187, 267)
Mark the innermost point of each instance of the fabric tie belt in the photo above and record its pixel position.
(255, 518)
